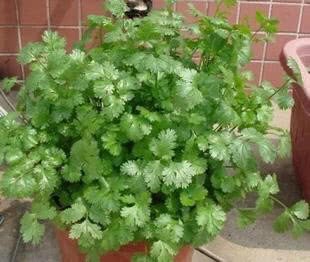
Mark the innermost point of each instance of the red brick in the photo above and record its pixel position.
(305, 22)
(8, 13)
(258, 49)
(31, 35)
(159, 4)
(93, 7)
(287, 15)
(248, 13)
(64, 12)
(231, 12)
(255, 68)
(71, 36)
(183, 8)
(273, 73)
(9, 66)
(32, 12)
(274, 48)
(9, 40)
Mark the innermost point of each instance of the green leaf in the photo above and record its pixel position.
(297, 229)
(84, 155)
(211, 217)
(267, 151)
(265, 147)
(192, 195)
(242, 154)
(134, 127)
(179, 174)
(53, 41)
(18, 183)
(292, 64)
(163, 145)
(246, 217)
(283, 98)
(305, 224)
(71, 173)
(43, 210)
(84, 229)
(13, 155)
(300, 209)
(46, 178)
(230, 3)
(97, 20)
(264, 114)
(31, 229)
(218, 145)
(30, 53)
(8, 83)
(116, 7)
(284, 147)
(111, 143)
(152, 174)
(136, 216)
(268, 186)
(131, 168)
(73, 214)
(283, 222)
(264, 205)
(103, 199)
(171, 230)
(268, 25)
(162, 252)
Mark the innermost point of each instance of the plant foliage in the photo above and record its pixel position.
(150, 135)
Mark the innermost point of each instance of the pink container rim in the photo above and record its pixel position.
(299, 49)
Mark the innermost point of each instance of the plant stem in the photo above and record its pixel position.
(278, 202)
(279, 89)
(218, 8)
(255, 33)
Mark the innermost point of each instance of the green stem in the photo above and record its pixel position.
(278, 202)
(156, 80)
(279, 89)
(256, 32)
(218, 8)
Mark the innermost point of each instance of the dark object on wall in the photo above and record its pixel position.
(138, 8)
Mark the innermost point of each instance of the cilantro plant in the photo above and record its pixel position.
(152, 135)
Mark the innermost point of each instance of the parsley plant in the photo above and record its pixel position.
(149, 136)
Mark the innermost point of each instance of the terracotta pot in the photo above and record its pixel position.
(299, 50)
(70, 251)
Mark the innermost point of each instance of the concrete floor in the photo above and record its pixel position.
(255, 244)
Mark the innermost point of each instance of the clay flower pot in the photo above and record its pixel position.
(70, 251)
(299, 50)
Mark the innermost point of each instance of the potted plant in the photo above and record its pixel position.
(135, 143)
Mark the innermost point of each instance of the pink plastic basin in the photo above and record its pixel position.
(299, 50)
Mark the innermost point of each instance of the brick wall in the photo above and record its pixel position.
(22, 21)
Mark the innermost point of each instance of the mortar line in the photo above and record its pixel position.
(19, 34)
(300, 17)
(265, 48)
(238, 13)
(80, 19)
(48, 16)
